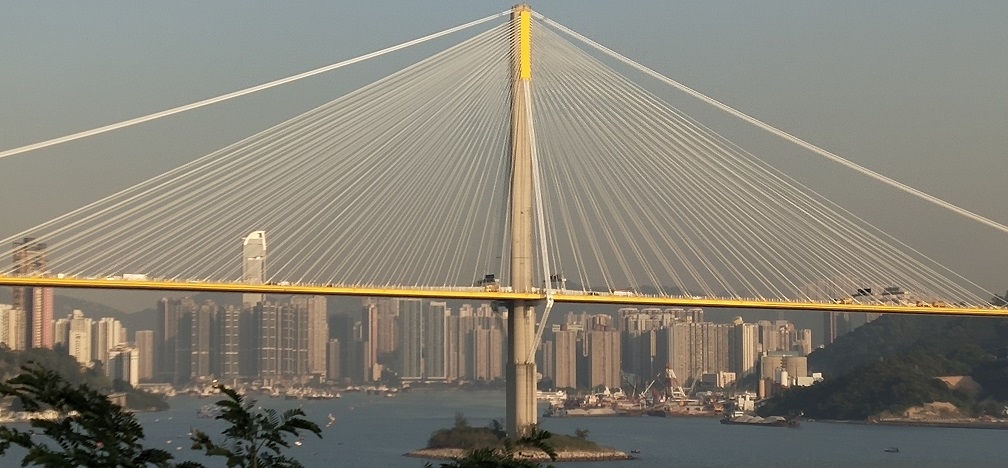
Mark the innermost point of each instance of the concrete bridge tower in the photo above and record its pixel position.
(521, 373)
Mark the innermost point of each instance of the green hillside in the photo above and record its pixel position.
(890, 364)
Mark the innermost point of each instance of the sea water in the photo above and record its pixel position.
(375, 431)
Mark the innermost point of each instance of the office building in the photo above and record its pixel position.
(317, 331)
(228, 349)
(333, 371)
(12, 327)
(601, 350)
(203, 342)
(144, 340)
(36, 303)
(743, 353)
(566, 352)
(254, 265)
(123, 364)
(434, 349)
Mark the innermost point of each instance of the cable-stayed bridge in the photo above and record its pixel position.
(520, 165)
(402, 188)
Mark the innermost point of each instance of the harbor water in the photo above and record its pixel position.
(375, 431)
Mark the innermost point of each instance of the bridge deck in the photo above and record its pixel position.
(481, 294)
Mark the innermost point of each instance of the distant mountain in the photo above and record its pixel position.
(64, 305)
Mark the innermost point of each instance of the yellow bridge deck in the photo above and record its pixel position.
(482, 294)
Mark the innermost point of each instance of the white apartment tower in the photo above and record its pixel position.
(254, 265)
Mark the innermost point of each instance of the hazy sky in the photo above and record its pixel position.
(913, 89)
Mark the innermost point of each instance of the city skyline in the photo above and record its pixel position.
(200, 342)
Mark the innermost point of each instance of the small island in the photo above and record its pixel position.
(461, 439)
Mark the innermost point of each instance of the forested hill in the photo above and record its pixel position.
(891, 363)
(893, 335)
(59, 361)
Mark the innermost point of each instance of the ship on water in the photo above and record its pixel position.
(602, 403)
(739, 414)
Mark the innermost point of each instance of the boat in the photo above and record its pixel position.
(602, 411)
(635, 451)
(892, 450)
(556, 398)
(769, 421)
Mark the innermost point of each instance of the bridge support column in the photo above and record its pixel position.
(521, 374)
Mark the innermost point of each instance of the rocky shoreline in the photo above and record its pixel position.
(537, 455)
(949, 423)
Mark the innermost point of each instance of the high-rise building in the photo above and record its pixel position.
(293, 340)
(769, 336)
(603, 359)
(228, 332)
(341, 329)
(36, 303)
(318, 331)
(546, 361)
(248, 343)
(166, 337)
(123, 364)
(79, 337)
(202, 349)
(61, 332)
(365, 351)
(804, 344)
(694, 348)
(835, 324)
(43, 300)
(184, 341)
(466, 325)
(386, 327)
(254, 264)
(488, 354)
(566, 352)
(268, 324)
(452, 348)
(282, 332)
(333, 360)
(743, 351)
(411, 323)
(643, 359)
(356, 352)
(79, 346)
(12, 327)
(107, 334)
(434, 341)
(144, 340)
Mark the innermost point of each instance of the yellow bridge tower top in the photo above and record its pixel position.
(522, 17)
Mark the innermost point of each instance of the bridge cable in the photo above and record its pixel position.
(246, 91)
(775, 131)
(736, 204)
(540, 224)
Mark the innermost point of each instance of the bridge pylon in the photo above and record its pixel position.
(521, 369)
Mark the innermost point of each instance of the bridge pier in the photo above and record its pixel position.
(521, 374)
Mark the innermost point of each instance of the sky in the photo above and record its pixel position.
(912, 89)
